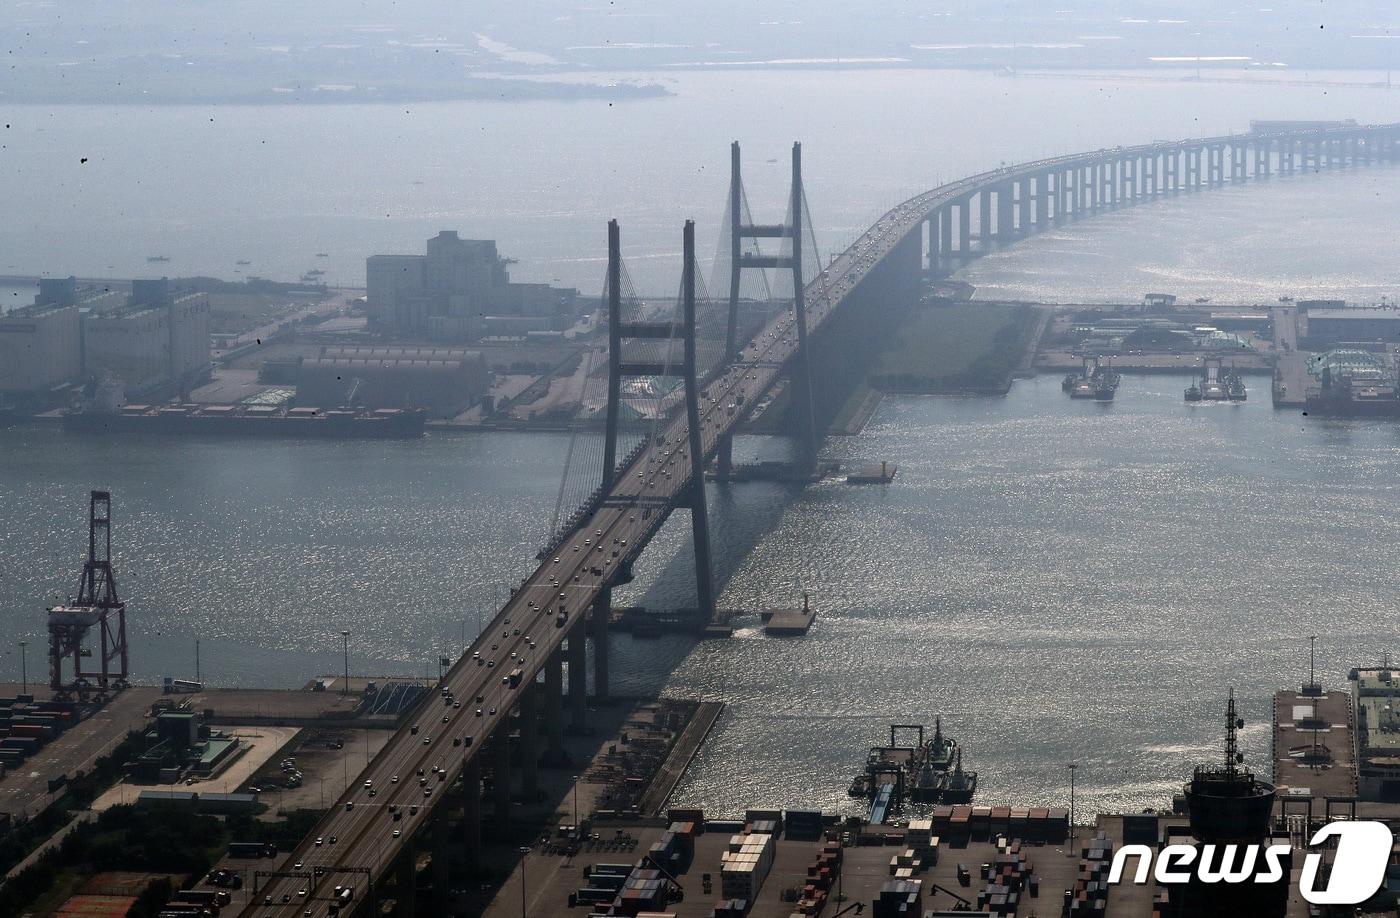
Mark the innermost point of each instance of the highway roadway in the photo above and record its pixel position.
(414, 769)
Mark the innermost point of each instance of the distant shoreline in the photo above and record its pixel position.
(495, 90)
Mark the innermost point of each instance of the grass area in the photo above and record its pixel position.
(974, 346)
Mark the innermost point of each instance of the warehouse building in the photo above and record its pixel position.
(40, 348)
(444, 380)
(447, 293)
(1331, 326)
(156, 339)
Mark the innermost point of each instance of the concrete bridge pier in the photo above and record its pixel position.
(407, 880)
(1042, 200)
(945, 238)
(500, 773)
(1006, 219)
(1171, 171)
(1193, 169)
(1285, 157)
(1061, 195)
(1026, 199)
(578, 678)
(530, 741)
(554, 710)
(1149, 176)
(1081, 190)
(984, 219)
(441, 842)
(965, 229)
(598, 624)
(471, 813)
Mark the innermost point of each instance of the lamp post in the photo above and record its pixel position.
(196, 659)
(524, 855)
(345, 643)
(576, 831)
(1072, 766)
(23, 669)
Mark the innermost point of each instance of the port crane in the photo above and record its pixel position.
(97, 606)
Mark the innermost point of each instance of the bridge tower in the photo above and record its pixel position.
(619, 366)
(96, 606)
(792, 232)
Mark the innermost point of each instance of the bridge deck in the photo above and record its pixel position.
(646, 490)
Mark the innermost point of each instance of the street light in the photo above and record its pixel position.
(23, 669)
(345, 641)
(1071, 766)
(576, 832)
(524, 853)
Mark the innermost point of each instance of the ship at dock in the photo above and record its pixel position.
(1097, 380)
(1353, 383)
(1218, 383)
(924, 772)
(251, 421)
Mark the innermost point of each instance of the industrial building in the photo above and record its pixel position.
(40, 348)
(444, 380)
(1335, 325)
(1375, 696)
(157, 338)
(460, 290)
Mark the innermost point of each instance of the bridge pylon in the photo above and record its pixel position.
(621, 330)
(792, 233)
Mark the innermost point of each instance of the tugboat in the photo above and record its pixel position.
(961, 784)
(1234, 386)
(1193, 393)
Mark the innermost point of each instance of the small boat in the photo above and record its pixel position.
(156, 258)
(1193, 393)
(322, 255)
(243, 261)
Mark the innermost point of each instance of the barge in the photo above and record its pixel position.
(252, 421)
(1217, 384)
(1097, 380)
(925, 772)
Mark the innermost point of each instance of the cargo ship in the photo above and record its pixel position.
(1098, 380)
(1217, 384)
(926, 772)
(1354, 383)
(252, 421)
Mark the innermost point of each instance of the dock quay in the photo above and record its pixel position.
(642, 622)
(875, 474)
(1313, 744)
(775, 470)
(780, 622)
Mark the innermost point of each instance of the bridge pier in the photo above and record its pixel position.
(965, 229)
(407, 880)
(598, 623)
(984, 219)
(441, 842)
(471, 812)
(1024, 200)
(578, 676)
(1042, 200)
(1006, 220)
(945, 238)
(554, 710)
(500, 772)
(529, 740)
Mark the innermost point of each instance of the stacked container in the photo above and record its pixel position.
(899, 899)
(920, 837)
(746, 865)
(1089, 897)
(1009, 880)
